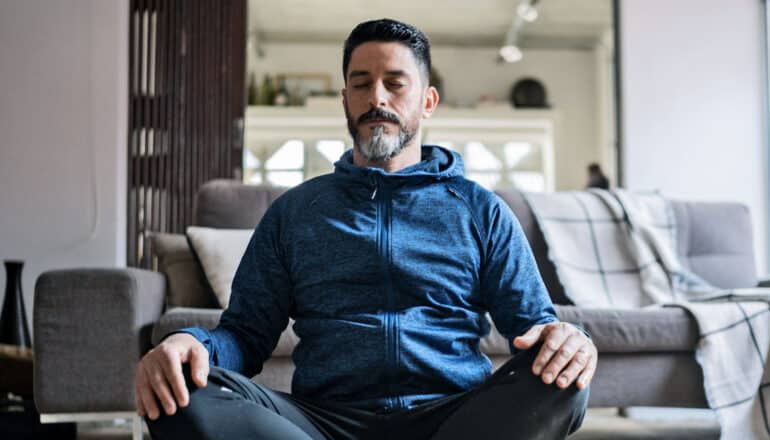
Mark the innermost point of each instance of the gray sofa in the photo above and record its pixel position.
(92, 325)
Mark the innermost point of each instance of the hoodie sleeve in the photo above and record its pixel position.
(258, 312)
(511, 285)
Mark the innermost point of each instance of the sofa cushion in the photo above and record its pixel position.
(716, 242)
(515, 200)
(225, 203)
(219, 252)
(663, 329)
(185, 279)
(669, 329)
(181, 317)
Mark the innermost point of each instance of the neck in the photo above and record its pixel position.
(409, 155)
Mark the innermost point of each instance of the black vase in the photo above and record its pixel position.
(13, 319)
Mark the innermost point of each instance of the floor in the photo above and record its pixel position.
(600, 424)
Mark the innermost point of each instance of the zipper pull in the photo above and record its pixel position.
(374, 183)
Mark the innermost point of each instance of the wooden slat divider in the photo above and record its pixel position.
(186, 100)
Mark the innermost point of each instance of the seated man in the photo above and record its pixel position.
(388, 265)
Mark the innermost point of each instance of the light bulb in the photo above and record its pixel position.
(511, 53)
(527, 12)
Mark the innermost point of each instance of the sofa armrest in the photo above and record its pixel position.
(764, 283)
(91, 327)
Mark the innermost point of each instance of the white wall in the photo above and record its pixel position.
(63, 119)
(569, 76)
(693, 103)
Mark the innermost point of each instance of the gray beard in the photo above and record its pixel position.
(382, 147)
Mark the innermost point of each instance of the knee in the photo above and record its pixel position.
(578, 403)
(185, 421)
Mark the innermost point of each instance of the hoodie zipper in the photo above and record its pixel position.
(390, 317)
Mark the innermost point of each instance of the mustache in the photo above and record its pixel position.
(378, 114)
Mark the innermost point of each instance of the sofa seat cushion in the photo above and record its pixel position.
(181, 317)
(665, 329)
(668, 329)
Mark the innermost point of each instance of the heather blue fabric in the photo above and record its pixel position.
(389, 277)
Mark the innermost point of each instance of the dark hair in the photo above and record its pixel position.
(387, 30)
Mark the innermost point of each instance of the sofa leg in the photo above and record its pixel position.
(136, 422)
(623, 411)
(136, 428)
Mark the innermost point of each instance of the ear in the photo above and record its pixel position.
(431, 102)
(344, 99)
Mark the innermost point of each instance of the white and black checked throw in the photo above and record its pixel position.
(615, 249)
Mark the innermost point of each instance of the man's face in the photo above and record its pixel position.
(384, 99)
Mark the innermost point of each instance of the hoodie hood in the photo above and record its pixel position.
(436, 163)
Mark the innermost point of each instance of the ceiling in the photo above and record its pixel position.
(561, 23)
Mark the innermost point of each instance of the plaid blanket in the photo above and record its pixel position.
(615, 249)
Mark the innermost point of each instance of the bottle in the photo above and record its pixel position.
(252, 98)
(268, 92)
(282, 94)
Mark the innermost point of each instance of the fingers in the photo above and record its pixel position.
(555, 336)
(567, 355)
(199, 364)
(578, 363)
(157, 380)
(146, 395)
(562, 357)
(172, 368)
(140, 411)
(160, 379)
(530, 338)
(588, 373)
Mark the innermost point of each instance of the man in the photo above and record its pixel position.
(388, 266)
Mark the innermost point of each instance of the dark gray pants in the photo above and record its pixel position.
(512, 404)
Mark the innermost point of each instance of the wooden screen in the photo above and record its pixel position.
(186, 107)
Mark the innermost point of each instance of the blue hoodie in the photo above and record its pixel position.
(389, 277)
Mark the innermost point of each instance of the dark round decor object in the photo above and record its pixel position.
(529, 93)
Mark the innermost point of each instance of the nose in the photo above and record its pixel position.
(378, 97)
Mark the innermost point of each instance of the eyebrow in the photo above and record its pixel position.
(357, 73)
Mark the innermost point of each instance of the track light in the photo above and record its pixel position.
(511, 53)
(527, 11)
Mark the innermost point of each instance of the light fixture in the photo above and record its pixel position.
(511, 53)
(525, 13)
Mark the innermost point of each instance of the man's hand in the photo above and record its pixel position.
(567, 354)
(159, 374)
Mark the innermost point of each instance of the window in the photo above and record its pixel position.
(285, 147)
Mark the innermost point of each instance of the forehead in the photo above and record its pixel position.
(378, 56)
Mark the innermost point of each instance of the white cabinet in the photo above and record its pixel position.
(500, 147)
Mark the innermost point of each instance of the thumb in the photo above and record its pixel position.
(199, 364)
(529, 338)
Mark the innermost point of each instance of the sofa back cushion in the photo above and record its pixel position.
(186, 283)
(715, 239)
(230, 204)
(534, 235)
(716, 242)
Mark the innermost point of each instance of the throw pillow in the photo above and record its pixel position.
(219, 252)
(187, 286)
